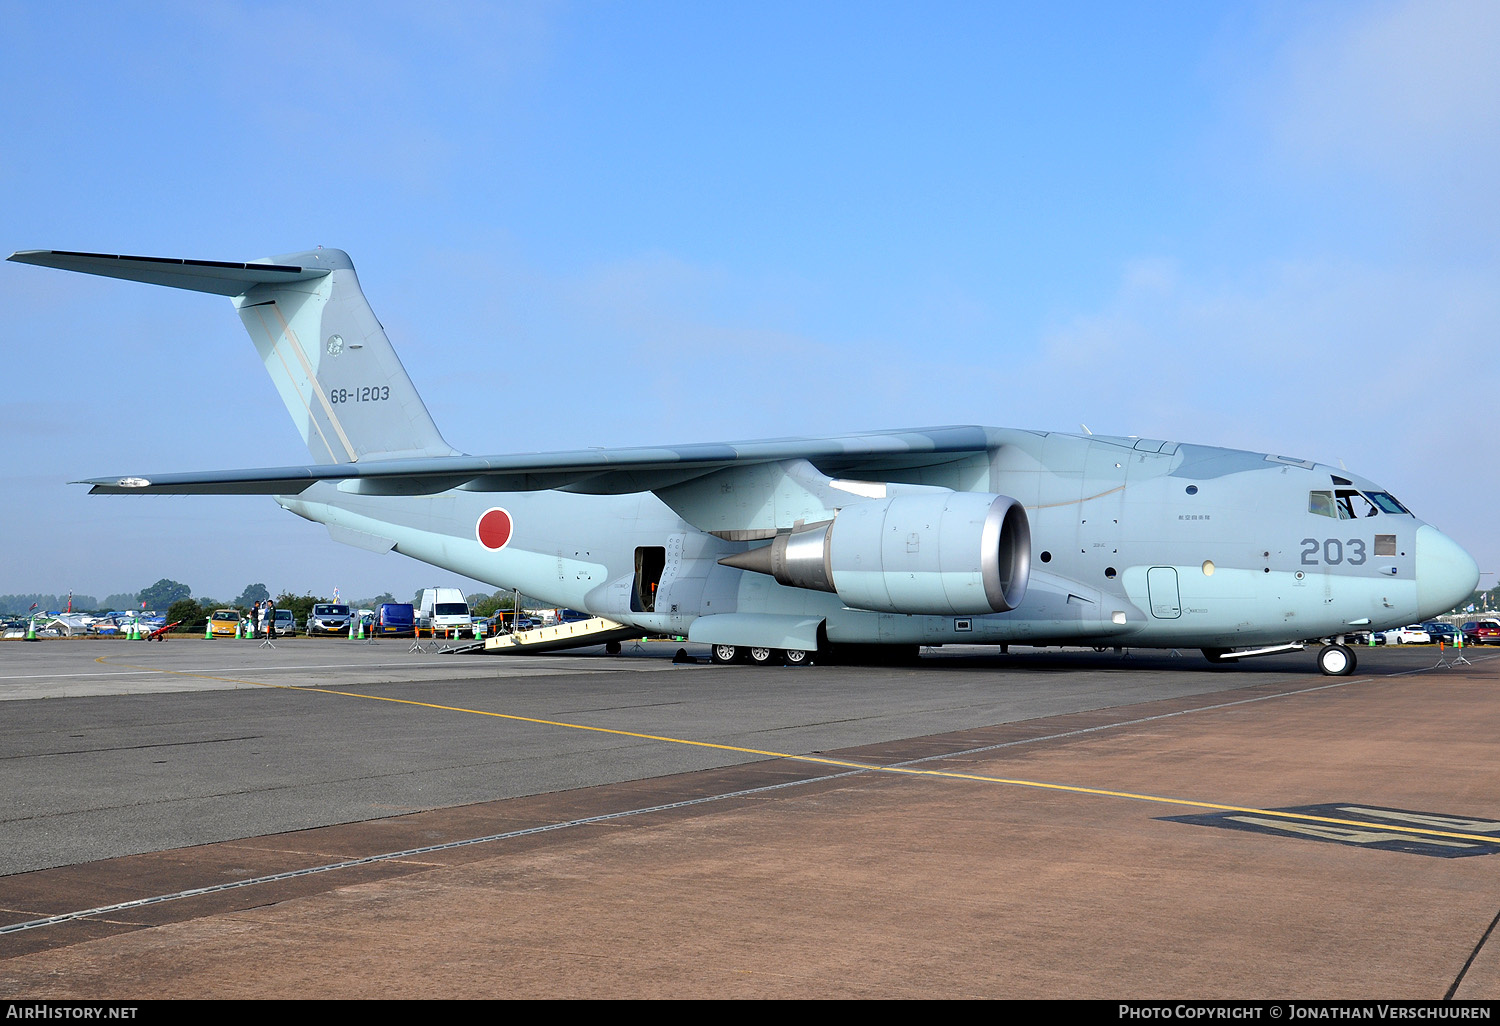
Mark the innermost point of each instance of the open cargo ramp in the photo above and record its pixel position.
(575, 634)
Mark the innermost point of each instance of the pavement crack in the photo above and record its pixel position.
(134, 748)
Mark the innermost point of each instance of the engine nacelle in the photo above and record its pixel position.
(946, 553)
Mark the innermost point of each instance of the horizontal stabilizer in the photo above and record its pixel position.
(222, 278)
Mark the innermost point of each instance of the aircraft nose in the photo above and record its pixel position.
(1446, 574)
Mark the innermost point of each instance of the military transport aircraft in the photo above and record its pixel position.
(794, 549)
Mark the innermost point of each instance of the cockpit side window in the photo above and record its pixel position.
(1353, 505)
(1321, 503)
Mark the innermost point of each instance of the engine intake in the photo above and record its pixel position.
(950, 553)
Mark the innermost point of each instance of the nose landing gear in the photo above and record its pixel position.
(1337, 660)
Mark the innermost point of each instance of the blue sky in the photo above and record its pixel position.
(1271, 226)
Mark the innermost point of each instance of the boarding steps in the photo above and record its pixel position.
(575, 634)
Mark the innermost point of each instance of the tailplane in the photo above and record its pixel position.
(328, 356)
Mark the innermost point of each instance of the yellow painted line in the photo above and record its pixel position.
(845, 764)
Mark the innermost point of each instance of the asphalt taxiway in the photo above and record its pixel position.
(336, 819)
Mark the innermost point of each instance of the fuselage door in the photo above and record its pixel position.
(650, 562)
(1161, 588)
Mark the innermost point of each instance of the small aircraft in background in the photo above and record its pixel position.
(796, 549)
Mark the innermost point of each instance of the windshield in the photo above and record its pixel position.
(328, 609)
(1351, 503)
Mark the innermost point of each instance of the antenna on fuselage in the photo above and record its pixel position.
(1085, 428)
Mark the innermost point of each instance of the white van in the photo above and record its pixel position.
(443, 609)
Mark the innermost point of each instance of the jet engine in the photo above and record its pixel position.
(948, 553)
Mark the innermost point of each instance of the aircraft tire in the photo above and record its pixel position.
(1216, 655)
(762, 656)
(797, 657)
(722, 655)
(1336, 660)
(612, 647)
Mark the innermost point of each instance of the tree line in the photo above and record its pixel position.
(176, 597)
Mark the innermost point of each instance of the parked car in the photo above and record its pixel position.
(1438, 631)
(328, 618)
(224, 623)
(286, 624)
(1411, 634)
(1481, 632)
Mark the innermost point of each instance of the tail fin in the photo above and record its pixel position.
(328, 356)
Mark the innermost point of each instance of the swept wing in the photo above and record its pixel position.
(588, 471)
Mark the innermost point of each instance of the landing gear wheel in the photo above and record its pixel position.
(723, 654)
(763, 656)
(1216, 655)
(1336, 660)
(798, 657)
(612, 647)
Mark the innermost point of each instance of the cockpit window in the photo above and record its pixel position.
(1321, 503)
(1351, 503)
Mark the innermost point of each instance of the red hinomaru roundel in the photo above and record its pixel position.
(493, 529)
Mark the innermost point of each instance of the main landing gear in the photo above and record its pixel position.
(758, 656)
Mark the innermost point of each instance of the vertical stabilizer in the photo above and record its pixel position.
(330, 360)
(334, 367)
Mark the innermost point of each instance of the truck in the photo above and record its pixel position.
(443, 610)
